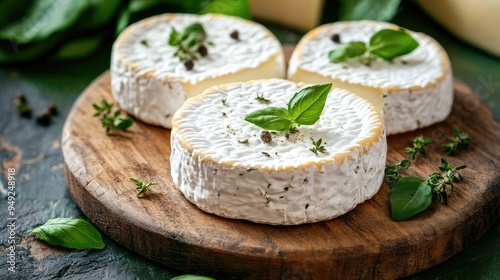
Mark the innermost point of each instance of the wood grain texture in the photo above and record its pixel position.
(364, 243)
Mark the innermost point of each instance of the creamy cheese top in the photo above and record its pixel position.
(425, 66)
(145, 46)
(214, 131)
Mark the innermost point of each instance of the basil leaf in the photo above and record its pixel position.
(174, 39)
(382, 10)
(239, 8)
(347, 51)
(306, 106)
(192, 277)
(271, 118)
(389, 44)
(195, 30)
(69, 233)
(408, 197)
(79, 47)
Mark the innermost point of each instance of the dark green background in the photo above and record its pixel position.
(41, 188)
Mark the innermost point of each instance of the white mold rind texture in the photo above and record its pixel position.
(289, 185)
(149, 82)
(417, 88)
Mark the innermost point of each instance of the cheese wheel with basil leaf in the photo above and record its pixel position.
(223, 165)
(413, 91)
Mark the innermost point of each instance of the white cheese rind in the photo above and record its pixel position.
(415, 90)
(290, 186)
(151, 84)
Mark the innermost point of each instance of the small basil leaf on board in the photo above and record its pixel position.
(389, 44)
(408, 197)
(382, 10)
(69, 233)
(271, 118)
(192, 277)
(306, 105)
(347, 51)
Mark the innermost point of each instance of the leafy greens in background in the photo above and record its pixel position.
(382, 10)
(71, 29)
(58, 30)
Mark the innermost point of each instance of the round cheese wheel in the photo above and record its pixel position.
(150, 82)
(221, 163)
(413, 91)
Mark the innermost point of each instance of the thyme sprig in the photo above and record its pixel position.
(393, 172)
(261, 98)
(460, 141)
(142, 186)
(419, 144)
(317, 147)
(439, 181)
(111, 120)
(190, 43)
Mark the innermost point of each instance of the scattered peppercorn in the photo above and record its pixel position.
(53, 109)
(235, 35)
(189, 64)
(336, 38)
(202, 50)
(266, 136)
(44, 118)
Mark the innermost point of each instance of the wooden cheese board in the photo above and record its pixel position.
(364, 243)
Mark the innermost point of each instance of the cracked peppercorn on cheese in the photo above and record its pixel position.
(221, 164)
(414, 91)
(149, 82)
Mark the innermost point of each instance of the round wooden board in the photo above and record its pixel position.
(364, 243)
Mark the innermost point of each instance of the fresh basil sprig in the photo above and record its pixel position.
(304, 108)
(386, 44)
(69, 233)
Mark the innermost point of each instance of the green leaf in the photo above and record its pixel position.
(193, 34)
(44, 18)
(271, 118)
(122, 123)
(174, 39)
(408, 197)
(238, 8)
(382, 10)
(389, 44)
(192, 277)
(99, 13)
(78, 48)
(306, 106)
(347, 51)
(69, 233)
(12, 10)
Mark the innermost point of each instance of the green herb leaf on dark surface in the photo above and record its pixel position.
(69, 233)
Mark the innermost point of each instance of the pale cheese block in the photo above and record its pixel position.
(413, 91)
(281, 182)
(475, 22)
(149, 82)
(297, 14)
